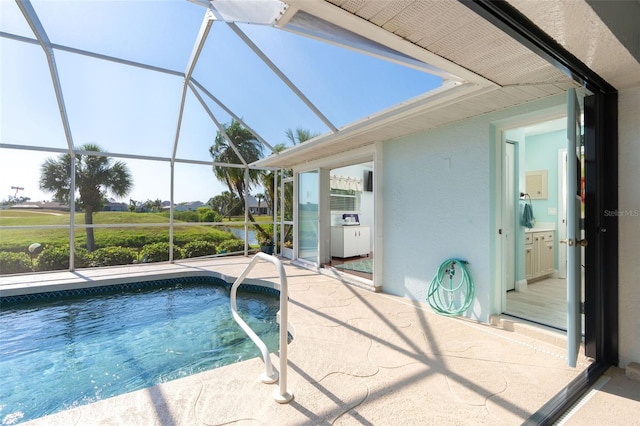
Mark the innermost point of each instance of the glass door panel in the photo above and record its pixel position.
(287, 237)
(308, 203)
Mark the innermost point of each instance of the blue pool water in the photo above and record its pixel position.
(59, 354)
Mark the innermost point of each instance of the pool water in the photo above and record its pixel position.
(61, 354)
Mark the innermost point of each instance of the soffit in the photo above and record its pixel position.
(452, 31)
(579, 29)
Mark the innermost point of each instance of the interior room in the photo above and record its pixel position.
(536, 285)
(351, 211)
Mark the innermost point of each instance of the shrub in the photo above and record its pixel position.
(186, 216)
(14, 263)
(132, 238)
(111, 256)
(231, 245)
(215, 236)
(56, 258)
(208, 215)
(159, 252)
(199, 248)
(265, 237)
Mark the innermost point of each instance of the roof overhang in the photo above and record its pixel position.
(370, 130)
(484, 68)
(324, 21)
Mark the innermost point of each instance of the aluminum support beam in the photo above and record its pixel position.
(171, 209)
(72, 216)
(36, 26)
(129, 156)
(221, 128)
(183, 97)
(93, 54)
(191, 64)
(282, 76)
(247, 185)
(201, 38)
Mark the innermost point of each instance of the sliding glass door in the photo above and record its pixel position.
(308, 215)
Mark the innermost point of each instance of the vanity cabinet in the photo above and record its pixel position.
(349, 241)
(539, 254)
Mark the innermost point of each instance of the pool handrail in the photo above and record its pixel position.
(281, 395)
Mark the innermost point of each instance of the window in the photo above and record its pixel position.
(345, 200)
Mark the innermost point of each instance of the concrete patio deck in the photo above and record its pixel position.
(357, 357)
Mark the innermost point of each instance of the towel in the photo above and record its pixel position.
(527, 216)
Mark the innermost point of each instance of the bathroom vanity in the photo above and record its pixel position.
(539, 253)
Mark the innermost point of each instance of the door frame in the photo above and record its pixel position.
(601, 195)
(509, 224)
(366, 154)
(287, 253)
(499, 291)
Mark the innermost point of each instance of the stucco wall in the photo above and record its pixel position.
(436, 206)
(439, 204)
(629, 222)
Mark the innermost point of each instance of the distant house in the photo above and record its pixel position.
(259, 207)
(46, 205)
(191, 206)
(115, 207)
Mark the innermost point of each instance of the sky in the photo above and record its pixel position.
(128, 110)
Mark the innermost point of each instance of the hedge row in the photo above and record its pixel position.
(202, 214)
(57, 257)
(14, 263)
(135, 238)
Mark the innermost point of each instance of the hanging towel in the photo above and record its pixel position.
(527, 216)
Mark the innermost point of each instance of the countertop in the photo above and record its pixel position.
(543, 229)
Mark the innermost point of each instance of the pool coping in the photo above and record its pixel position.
(49, 282)
(105, 287)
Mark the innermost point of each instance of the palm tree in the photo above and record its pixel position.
(133, 205)
(249, 148)
(223, 203)
(259, 197)
(157, 205)
(299, 136)
(96, 177)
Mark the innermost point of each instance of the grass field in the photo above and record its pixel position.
(17, 240)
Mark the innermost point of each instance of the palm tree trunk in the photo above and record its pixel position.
(88, 220)
(259, 228)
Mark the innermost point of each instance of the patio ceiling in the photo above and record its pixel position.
(457, 35)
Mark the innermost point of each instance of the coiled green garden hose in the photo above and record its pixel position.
(451, 298)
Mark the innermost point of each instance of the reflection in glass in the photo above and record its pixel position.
(308, 199)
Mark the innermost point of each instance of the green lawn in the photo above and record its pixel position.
(19, 240)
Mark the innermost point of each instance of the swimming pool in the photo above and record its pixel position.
(58, 353)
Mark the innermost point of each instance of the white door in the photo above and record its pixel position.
(574, 242)
(510, 218)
